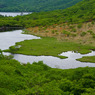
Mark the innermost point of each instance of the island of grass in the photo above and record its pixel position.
(90, 59)
(48, 46)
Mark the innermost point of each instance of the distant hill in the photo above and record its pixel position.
(35, 5)
(83, 11)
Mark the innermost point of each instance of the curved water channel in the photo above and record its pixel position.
(11, 37)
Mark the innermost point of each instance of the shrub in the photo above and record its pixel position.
(71, 27)
(74, 35)
(56, 30)
(46, 31)
(44, 28)
(56, 33)
(64, 24)
(53, 31)
(94, 36)
(89, 25)
(53, 26)
(90, 31)
(13, 48)
(92, 22)
(73, 30)
(79, 25)
(83, 34)
(25, 31)
(1, 51)
(66, 33)
(8, 57)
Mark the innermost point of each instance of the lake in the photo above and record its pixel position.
(14, 13)
(9, 38)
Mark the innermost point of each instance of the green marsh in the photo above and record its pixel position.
(87, 59)
(49, 47)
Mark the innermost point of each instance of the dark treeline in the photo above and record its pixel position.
(35, 5)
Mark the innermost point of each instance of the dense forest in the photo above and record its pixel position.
(39, 79)
(35, 5)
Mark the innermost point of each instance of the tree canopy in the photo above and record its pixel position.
(35, 5)
(82, 12)
(39, 79)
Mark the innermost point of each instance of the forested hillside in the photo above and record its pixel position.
(35, 5)
(82, 12)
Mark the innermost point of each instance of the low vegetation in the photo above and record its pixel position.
(90, 59)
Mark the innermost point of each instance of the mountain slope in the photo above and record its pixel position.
(35, 5)
(82, 12)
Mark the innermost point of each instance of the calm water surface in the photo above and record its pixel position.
(9, 38)
(14, 13)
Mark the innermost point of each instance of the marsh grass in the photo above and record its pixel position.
(87, 59)
(49, 47)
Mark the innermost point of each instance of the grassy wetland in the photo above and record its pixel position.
(49, 46)
(58, 38)
(87, 59)
(74, 37)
